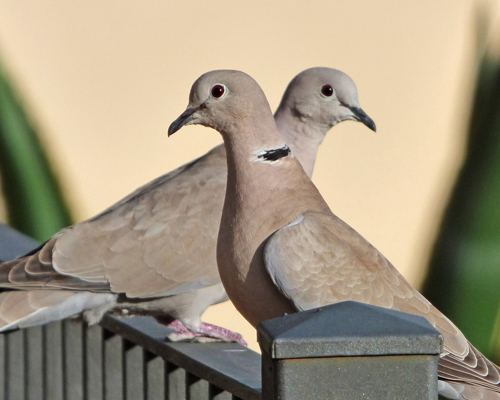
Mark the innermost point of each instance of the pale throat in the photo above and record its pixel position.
(303, 138)
(305, 148)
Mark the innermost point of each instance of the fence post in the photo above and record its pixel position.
(349, 351)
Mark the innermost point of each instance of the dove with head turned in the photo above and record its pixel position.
(281, 249)
(153, 253)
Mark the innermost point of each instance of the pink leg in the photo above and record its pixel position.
(178, 326)
(181, 332)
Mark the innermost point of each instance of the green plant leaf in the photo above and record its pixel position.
(34, 202)
(464, 274)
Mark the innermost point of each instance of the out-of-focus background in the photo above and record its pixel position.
(102, 81)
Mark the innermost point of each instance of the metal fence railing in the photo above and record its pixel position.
(122, 360)
(343, 352)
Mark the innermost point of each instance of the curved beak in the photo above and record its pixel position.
(361, 116)
(185, 118)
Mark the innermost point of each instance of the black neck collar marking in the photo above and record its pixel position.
(275, 154)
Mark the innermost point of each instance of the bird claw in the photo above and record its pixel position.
(222, 334)
(190, 337)
(181, 337)
(205, 339)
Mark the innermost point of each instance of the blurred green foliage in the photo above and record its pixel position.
(34, 202)
(464, 273)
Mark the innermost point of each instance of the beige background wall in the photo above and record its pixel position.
(104, 79)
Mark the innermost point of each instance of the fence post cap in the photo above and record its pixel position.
(348, 328)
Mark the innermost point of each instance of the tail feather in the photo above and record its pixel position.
(458, 391)
(22, 309)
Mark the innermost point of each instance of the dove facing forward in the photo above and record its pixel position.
(153, 253)
(281, 249)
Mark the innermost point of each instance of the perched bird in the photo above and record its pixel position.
(153, 252)
(281, 249)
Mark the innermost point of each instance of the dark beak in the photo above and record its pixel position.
(184, 118)
(364, 118)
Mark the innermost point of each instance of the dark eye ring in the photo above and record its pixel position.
(218, 90)
(327, 90)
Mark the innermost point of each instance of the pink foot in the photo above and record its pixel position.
(181, 332)
(207, 333)
(221, 333)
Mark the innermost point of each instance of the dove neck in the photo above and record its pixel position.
(302, 135)
(261, 198)
(255, 187)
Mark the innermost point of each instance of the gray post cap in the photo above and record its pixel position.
(348, 328)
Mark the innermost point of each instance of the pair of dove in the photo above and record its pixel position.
(154, 252)
(281, 249)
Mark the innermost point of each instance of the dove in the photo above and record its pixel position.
(154, 252)
(282, 250)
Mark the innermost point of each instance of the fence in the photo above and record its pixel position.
(342, 352)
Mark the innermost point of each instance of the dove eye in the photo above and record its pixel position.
(327, 90)
(218, 90)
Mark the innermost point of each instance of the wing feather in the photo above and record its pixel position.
(158, 241)
(319, 260)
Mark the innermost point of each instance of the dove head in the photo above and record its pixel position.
(321, 98)
(227, 101)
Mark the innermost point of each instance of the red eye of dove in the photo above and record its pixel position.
(217, 91)
(327, 90)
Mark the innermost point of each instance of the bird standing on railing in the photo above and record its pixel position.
(281, 249)
(153, 253)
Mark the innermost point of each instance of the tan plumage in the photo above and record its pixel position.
(138, 248)
(281, 249)
(154, 251)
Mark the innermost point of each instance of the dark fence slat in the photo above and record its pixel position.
(216, 393)
(3, 369)
(54, 371)
(176, 382)
(16, 362)
(34, 363)
(73, 359)
(197, 389)
(113, 368)
(94, 363)
(135, 383)
(156, 378)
